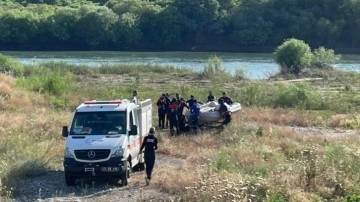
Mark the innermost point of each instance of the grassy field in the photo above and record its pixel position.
(295, 139)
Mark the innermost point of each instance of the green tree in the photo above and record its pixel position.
(293, 55)
(62, 23)
(95, 26)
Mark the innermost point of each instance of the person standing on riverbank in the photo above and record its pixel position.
(133, 97)
(210, 97)
(161, 104)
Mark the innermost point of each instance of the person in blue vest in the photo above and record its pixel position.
(190, 101)
(150, 145)
(195, 115)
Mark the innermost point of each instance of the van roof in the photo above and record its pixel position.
(104, 105)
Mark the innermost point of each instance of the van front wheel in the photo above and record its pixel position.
(126, 175)
(69, 180)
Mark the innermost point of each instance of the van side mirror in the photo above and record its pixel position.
(65, 131)
(133, 130)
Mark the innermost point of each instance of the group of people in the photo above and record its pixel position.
(171, 111)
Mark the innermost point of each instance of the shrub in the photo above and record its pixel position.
(324, 57)
(293, 55)
(214, 69)
(10, 66)
(53, 82)
(296, 95)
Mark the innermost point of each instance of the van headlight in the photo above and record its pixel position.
(68, 153)
(119, 152)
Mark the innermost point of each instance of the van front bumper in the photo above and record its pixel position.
(113, 167)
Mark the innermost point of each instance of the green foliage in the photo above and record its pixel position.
(254, 94)
(214, 69)
(293, 55)
(353, 198)
(324, 57)
(281, 195)
(10, 66)
(223, 161)
(175, 24)
(296, 95)
(45, 80)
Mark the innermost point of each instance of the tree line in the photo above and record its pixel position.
(245, 25)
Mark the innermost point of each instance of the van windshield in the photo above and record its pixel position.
(99, 123)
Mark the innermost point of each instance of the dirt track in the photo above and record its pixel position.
(52, 187)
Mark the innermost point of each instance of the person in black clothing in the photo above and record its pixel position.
(167, 102)
(150, 145)
(210, 97)
(191, 101)
(172, 115)
(180, 115)
(162, 110)
(226, 99)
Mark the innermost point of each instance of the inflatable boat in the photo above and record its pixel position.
(209, 112)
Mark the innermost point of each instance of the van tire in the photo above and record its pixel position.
(124, 179)
(69, 180)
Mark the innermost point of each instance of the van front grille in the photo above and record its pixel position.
(92, 154)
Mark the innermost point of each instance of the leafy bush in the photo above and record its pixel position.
(214, 67)
(53, 82)
(293, 55)
(298, 95)
(324, 57)
(10, 66)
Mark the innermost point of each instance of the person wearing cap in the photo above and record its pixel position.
(150, 145)
(226, 99)
(133, 97)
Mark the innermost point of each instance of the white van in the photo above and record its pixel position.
(104, 140)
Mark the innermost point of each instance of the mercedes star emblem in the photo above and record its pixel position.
(91, 154)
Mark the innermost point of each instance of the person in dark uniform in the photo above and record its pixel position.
(210, 97)
(224, 111)
(190, 101)
(162, 110)
(180, 115)
(226, 99)
(167, 103)
(195, 115)
(173, 106)
(150, 145)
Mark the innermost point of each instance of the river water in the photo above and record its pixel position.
(254, 65)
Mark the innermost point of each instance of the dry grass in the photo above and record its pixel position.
(6, 85)
(276, 116)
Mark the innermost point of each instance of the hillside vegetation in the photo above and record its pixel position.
(295, 140)
(196, 25)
